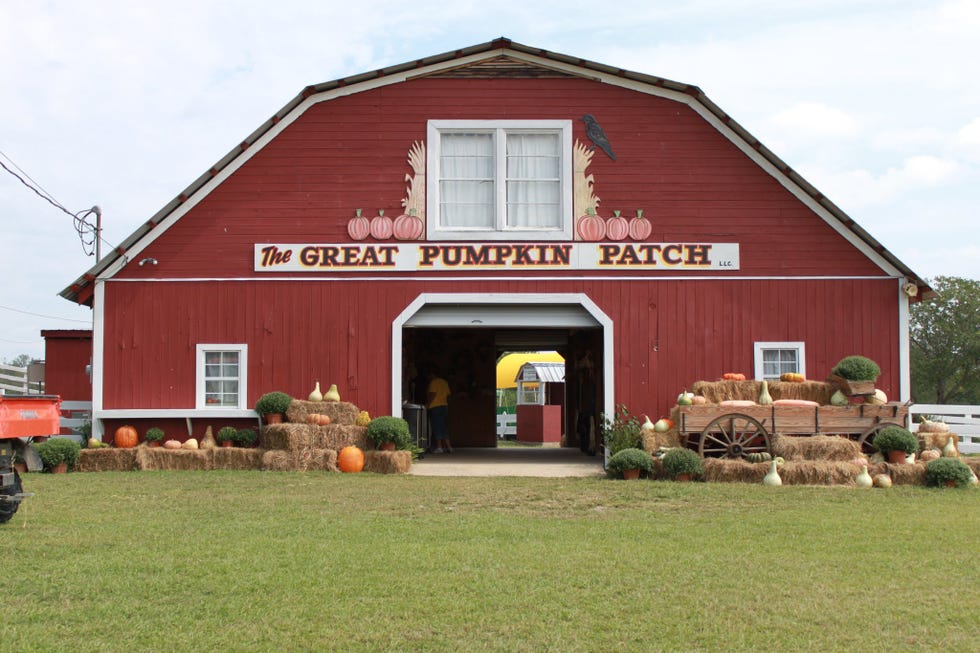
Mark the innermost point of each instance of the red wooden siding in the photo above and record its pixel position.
(667, 333)
(350, 153)
(66, 355)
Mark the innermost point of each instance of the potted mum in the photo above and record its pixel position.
(227, 436)
(58, 454)
(154, 437)
(389, 433)
(683, 464)
(948, 472)
(245, 437)
(630, 462)
(856, 375)
(272, 406)
(895, 443)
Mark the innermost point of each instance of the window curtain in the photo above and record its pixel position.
(533, 181)
(466, 185)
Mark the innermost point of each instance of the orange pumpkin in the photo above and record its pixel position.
(126, 437)
(350, 459)
(733, 376)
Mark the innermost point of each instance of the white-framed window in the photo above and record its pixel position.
(773, 359)
(499, 180)
(222, 376)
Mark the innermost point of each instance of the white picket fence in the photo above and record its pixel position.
(964, 421)
(506, 425)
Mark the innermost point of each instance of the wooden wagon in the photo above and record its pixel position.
(721, 431)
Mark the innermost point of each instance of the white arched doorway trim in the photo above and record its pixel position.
(529, 302)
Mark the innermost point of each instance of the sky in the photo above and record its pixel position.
(122, 105)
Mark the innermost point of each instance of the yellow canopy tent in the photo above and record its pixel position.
(509, 365)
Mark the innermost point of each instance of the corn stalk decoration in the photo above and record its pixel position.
(416, 183)
(582, 195)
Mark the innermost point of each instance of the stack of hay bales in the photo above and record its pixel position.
(717, 391)
(291, 446)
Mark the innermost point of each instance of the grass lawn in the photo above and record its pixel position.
(261, 561)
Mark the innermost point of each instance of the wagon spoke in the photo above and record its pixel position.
(723, 443)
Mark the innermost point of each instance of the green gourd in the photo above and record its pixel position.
(765, 399)
(839, 399)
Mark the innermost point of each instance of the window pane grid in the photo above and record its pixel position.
(221, 378)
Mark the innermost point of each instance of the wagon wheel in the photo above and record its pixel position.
(733, 436)
(866, 438)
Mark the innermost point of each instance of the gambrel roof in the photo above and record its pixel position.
(498, 58)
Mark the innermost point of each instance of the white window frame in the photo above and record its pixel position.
(242, 351)
(761, 347)
(501, 232)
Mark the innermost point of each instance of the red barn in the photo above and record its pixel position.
(492, 199)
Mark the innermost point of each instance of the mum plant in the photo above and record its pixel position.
(857, 368)
(630, 458)
(273, 403)
(389, 429)
(895, 438)
(58, 450)
(154, 434)
(679, 461)
(944, 471)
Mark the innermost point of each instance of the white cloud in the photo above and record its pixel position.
(813, 121)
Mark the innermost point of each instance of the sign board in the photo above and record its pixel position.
(478, 257)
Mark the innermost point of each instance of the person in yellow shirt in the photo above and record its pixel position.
(437, 403)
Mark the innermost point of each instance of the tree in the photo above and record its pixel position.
(944, 343)
(20, 361)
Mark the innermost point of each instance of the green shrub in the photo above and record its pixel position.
(895, 438)
(857, 368)
(683, 461)
(227, 434)
(154, 435)
(58, 450)
(940, 470)
(389, 429)
(273, 402)
(245, 437)
(630, 458)
(623, 432)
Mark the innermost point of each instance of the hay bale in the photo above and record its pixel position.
(340, 412)
(237, 458)
(106, 460)
(304, 460)
(914, 474)
(816, 447)
(296, 437)
(973, 462)
(718, 391)
(733, 470)
(652, 441)
(819, 472)
(158, 458)
(387, 462)
(937, 440)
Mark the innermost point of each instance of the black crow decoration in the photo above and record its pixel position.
(596, 135)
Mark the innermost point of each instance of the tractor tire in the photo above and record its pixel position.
(8, 508)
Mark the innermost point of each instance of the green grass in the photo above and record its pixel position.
(261, 561)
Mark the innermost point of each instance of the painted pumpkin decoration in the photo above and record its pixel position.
(408, 227)
(640, 227)
(126, 437)
(350, 459)
(381, 226)
(617, 228)
(359, 227)
(591, 227)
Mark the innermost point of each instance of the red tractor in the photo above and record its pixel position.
(22, 418)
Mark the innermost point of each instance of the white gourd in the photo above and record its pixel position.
(864, 478)
(949, 451)
(772, 478)
(316, 395)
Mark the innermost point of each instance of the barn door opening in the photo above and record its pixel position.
(463, 336)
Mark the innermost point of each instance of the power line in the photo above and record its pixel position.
(87, 232)
(47, 317)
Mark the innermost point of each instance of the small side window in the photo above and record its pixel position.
(222, 371)
(773, 359)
